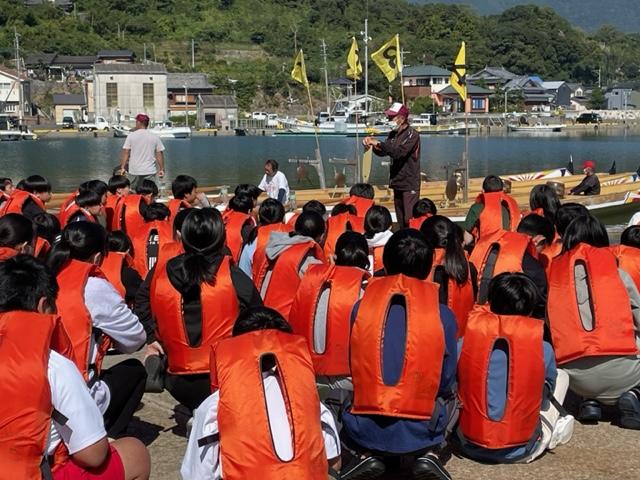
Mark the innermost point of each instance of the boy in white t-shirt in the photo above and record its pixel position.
(274, 182)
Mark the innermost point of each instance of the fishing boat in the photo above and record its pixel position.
(162, 129)
(16, 135)
(537, 128)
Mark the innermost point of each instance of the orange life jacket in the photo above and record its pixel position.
(526, 376)
(415, 393)
(613, 327)
(234, 222)
(169, 250)
(285, 276)
(629, 261)
(548, 253)
(292, 221)
(236, 372)
(112, 266)
(66, 215)
(17, 200)
(336, 226)
(220, 308)
(460, 298)
(262, 239)
(345, 285)
(41, 248)
(76, 319)
(416, 222)
(362, 204)
(511, 247)
(141, 238)
(110, 209)
(490, 220)
(376, 253)
(127, 215)
(175, 205)
(7, 252)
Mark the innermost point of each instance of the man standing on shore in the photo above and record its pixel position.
(144, 152)
(403, 147)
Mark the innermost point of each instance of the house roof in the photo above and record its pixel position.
(552, 85)
(538, 97)
(497, 73)
(355, 98)
(115, 53)
(37, 59)
(341, 82)
(425, 71)
(74, 60)
(218, 101)
(144, 68)
(471, 90)
(521, 82)
(69, 99)
(193, 81)
(11, 72)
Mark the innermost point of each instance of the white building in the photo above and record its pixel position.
(12, 89)
(121, 91)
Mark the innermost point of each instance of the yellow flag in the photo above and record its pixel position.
(299, 72)
(354, 69)
(459, 75)
(388, 58)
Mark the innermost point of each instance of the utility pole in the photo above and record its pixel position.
(326, 75)
(186, 106)
(193, 53)
(365, 37)
(19, 80)
(145, 52)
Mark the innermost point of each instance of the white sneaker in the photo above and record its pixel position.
(562, 432)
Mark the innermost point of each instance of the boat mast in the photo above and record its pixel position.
(326, 75)
(19, 80)
(366, 38)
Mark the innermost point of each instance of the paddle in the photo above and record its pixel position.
(366, 164)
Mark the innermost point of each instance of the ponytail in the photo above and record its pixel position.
(79, 241)
(203, 237)
(441, 232)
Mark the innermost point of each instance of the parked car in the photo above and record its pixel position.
(589, 118)
(67, 122)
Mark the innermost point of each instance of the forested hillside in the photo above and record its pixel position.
(253, 41)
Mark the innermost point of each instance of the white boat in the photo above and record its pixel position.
(537, 128)
(162, 129)
(337, 126)
(15, 135)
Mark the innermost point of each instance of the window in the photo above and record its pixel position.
(10, 107)
(477, 103)
(112, 95)
(437, 81)
(422, 82)
(147, 95)
(5, 86)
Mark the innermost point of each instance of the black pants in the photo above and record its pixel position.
(189, 390)
(126, 382)
(403, 201)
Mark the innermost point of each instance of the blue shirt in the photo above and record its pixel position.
(246, 258)
(396, 435)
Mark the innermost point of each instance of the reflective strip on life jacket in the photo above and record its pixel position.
(147, 240)
(490, 220)
(336, 226)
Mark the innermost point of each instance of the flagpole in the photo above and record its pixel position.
(465, 195)
(320, 165)
(358, 164)
(400, 68)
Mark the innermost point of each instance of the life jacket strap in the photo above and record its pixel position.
(208, 440)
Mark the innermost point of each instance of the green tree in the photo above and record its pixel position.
(424, 105)
(598, 100)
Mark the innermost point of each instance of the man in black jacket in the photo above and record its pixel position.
(402, 146)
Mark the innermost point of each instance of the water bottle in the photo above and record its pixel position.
(224, 194)
(292, 200)
(163, 188)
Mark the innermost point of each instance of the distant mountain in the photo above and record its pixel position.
(586, 14)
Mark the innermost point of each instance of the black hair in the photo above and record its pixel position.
(203, 238)
(178, 220)
(88, 198)
(97, 186)
(341, 208)
(315, 206)
(4, 182)
(247, 189)
(423, 207)
(546, 198)
(16, 229)
(260, 318)
(182, 186)
(36, 184)
(408, 253)
(512, 294)
(156, 211)
(566, 213)
(309, 224)
(362, 190)
(146, 187)
(118, 241)
(241, 203)
(587, 230)
(20, 184)
(378, 219)
(47, 226)
(440, 232)
(352, 250)
(271, 211)
(23, 282)
(79, 241)
(273, 163)
(631, 236)
(492, 183)
(534, 225)
(118, 181)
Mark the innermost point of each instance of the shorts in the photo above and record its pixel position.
(112, 469)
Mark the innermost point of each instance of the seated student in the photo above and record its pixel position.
(423, 209)
(290, 435)
(149, 237)
(544, 201)
(185, 195)
(249, 190)
(47, 232)
(191, 302)
(310, 206)
(289, 255)
(86, 208)
(95, 316)
(565, 214)
(507, 413)
(31, 436)
(493, 210)
(29, 200)
(6, 189)
(238, 222)
(270, 219)
(117, 267)
(392, 414)
(129, 212)
(17, 235)
(119, 187)
(377, 231)
(361, 196)
(321, 310)
(343, 218)
(594, 318)
(451, 270)
(628, 253)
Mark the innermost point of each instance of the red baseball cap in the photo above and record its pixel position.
(397, 109)
(589, 164)
(141, 117)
